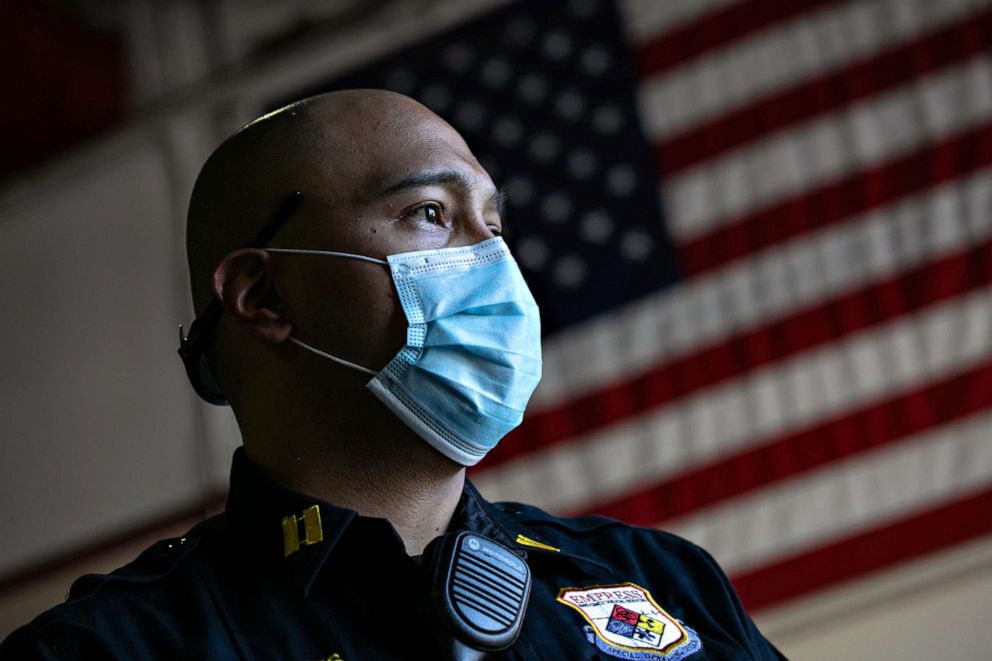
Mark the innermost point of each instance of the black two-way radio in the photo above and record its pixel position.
(479, 592)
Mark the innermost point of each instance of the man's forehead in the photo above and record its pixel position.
(439, 164)
(379, 120)
(440, 159)
(371, 149)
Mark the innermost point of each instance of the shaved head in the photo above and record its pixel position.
(324, 145)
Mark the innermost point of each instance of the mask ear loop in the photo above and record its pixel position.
(322, 354)
(329, 253)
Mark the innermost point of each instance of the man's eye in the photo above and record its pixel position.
(429, 213)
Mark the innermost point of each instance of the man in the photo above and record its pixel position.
(374, 338)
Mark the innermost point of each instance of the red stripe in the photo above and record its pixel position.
(717, 29)
(886, 183)
(880, 548)
(909, 60)
(883, 423)
(805, 329)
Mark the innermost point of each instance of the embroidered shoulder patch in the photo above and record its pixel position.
(625, 622)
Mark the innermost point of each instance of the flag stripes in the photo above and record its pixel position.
(829, 38)
(967, 38)
(876, 549)
(717, 29)
(943, 161)
(813, 388)
(820, 382)
(820, 159)
(750, 293)
(845, 499)
(644, 19)
(890, 421)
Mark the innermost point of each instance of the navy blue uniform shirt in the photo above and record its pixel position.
(228, 590)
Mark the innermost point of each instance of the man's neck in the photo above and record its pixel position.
(388, 473)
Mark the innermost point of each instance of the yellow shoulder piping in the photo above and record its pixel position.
(533, 543)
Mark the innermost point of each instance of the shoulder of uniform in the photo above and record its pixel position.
(156, 563)
(600, 532)
(535, 516)
(580, 525)
(102, 609)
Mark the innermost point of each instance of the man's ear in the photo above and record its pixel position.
(243, 285)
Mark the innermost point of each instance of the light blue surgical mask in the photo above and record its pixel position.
(472, 357)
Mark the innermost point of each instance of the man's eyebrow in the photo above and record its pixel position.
(430, 179)
(447, 177)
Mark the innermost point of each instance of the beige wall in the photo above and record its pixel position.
(98, 423)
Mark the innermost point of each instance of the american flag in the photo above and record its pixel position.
(761, 236)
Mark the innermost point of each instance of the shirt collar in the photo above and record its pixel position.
(476, 514)
(258, 506)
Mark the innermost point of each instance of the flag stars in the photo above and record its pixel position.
(556, 207)
(621, 180)
(520, 31)
(583, 8)
(532, 253)
(496, 72)
(595, 61)
(507, 131)
(636, 245)
(596, 226)
(582, 163)
(490, 166)
(532, 89)
(520, 190)
(544, 147)
(470, 115)
(607, 120)
(570, 105)
(436, 96)
(401, 80)
(557, 45)
(570, 271)
(458, 58)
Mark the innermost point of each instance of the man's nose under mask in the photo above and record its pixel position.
(472, 357)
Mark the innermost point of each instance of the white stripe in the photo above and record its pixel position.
(804, 48)
(846, 498)
(643, 19)
(780, 398)
(757, 291)
(814, 153)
